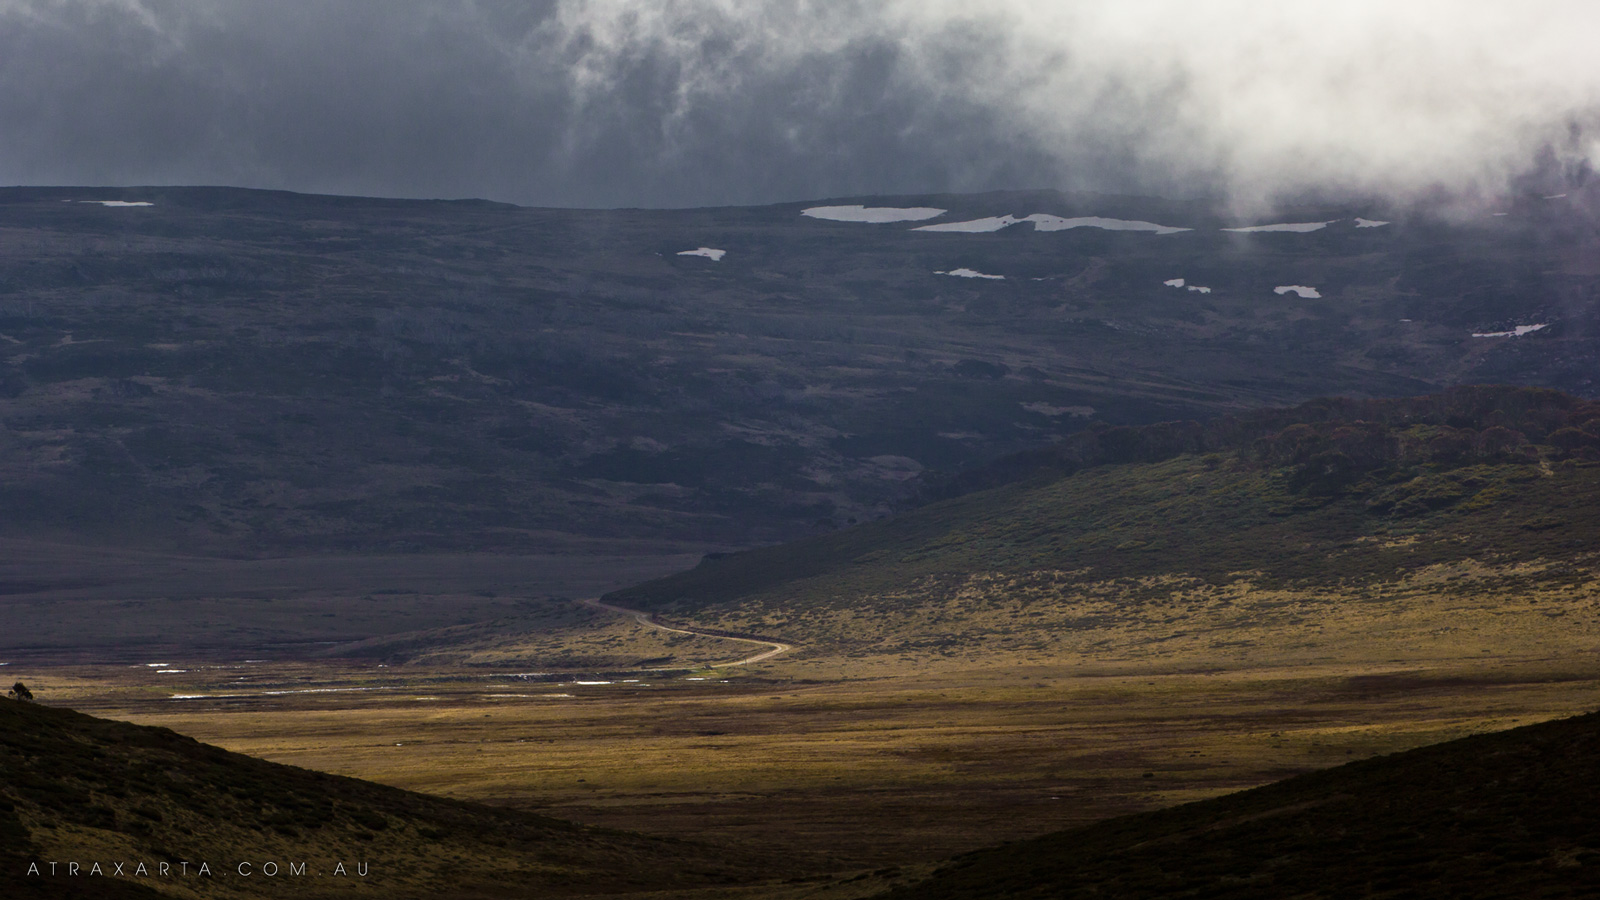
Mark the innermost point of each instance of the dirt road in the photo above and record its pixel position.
(774, 648)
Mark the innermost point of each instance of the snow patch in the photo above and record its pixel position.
(1198, 289)
(1369, 223)
(1298, 227)
(119, 202)
(1518, 331)
(1173, 282)
(1180, 283)
(1555, 196)
(171, 671)
(971, 273)
(1044, 222)
(973, 226)
(708, 252)
(872, 213)
(1306, 292)
(1047, 222)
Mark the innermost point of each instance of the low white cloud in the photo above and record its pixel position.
(1263, 100)
(595, 102)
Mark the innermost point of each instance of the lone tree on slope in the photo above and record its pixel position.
(20, 691)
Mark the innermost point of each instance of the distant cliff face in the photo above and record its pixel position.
(243, 371)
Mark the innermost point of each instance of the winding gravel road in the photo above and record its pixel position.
(774, 648)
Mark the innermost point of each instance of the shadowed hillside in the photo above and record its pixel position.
(260, 372)
(1506, 815)
(78, 788)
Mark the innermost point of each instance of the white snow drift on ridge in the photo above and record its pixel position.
(119, 202)
(1369, 223)
(708, 252)
(872, 213)
(1305, 292)
(1047, 222)
(1173, 282)
(974, 226)
(1299, 227)
(971, 273)
(1519, 331)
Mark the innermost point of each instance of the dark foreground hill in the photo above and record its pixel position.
(235, 371)
(1505, 815)
(75, 789)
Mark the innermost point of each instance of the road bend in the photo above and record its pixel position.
(773, 648)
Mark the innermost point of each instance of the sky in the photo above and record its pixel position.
(605, 103)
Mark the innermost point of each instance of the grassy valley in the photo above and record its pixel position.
(1125, 621)
(334, 482)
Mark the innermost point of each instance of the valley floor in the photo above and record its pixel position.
(833, 774)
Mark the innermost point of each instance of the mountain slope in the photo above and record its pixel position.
(1251, 532)
(250, 371)
(1498, 815)
(74, 788)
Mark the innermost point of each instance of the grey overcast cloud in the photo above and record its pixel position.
(706, 102)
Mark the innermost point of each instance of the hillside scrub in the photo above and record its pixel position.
(1332, 493)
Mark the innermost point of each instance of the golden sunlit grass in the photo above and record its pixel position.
(1464, 613)
(865, 771)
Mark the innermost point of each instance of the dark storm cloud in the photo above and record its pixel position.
(628, 102)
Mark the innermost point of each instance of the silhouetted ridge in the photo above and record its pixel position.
(1509, 815)
(71, 783)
